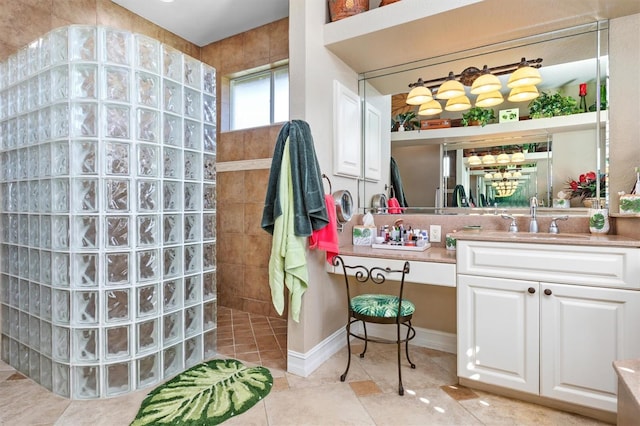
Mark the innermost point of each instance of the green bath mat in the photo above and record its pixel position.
(206, 394)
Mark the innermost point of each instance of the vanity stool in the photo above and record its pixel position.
(387, 308)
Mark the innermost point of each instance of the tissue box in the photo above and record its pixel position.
(364, 235)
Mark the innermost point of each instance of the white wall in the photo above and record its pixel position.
(312, 71)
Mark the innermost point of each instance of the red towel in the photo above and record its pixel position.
(394, 206)
(327, 238)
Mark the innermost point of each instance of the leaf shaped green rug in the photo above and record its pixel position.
(206, 394)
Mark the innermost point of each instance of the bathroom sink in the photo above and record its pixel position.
(540, 236)
(547, 236)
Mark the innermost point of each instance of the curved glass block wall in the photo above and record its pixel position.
(107, 185)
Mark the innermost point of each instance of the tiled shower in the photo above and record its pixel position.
(107, 210)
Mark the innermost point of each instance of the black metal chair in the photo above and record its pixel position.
(378, 309)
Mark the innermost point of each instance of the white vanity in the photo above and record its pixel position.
(547, 315)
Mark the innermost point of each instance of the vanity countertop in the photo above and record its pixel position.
(546, 238)
(432, 254)
(628, 372)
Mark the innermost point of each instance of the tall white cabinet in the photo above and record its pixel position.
(531, 319)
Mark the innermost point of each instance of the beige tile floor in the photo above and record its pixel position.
(368, 397)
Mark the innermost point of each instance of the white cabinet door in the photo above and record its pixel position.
(498, 334)
(372, 143)
(583, 330)
(346, 131)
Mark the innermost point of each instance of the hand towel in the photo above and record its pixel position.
(394, 206)
(327, 238)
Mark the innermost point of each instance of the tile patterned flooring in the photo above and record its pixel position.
(368, 397)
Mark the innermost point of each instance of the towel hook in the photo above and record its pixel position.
(328, 180)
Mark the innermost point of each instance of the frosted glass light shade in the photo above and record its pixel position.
(432, 107)
(524, 93)
(524, 76)
(488, 159)
(502, 158)
(474, 160)
(485, 83)
(517, 157)
(450, 89)
(489, 99)
(419, 95)
(459, 103)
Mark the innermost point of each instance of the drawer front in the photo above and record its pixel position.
(442, 274)
(617, 267)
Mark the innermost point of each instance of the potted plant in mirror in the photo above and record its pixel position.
(477, 116)
(552, 105)
(585, 188)
(405, 121)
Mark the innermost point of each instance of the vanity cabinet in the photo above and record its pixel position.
(525, 325)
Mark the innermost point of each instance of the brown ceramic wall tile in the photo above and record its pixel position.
(230, 187)
(255, 47)
(230, 218)
(144, 27)
(233, 277)
(230, 146)
(23, 23)
(75, 11)
(256, 283)
(110, 14)
(255, 185)
(230, 59)
(279, 40)
(257, 250)
(230, 248)
(258, 143)
(253, 218)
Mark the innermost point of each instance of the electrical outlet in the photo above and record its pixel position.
(435, 233)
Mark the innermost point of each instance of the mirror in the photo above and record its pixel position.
(432, 163)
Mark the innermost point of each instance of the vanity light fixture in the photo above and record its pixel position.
(523, 93)
(459, 103)
(488, 175)
(432, 107)
(525, 75)
(489, 99)
(419, 94)
(481, 83)
(486, 83)
(451, 88)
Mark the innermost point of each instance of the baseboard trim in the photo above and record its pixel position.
(303, 364)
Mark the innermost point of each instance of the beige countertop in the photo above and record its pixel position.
(578, 239)
(432, 254)
(628, 372)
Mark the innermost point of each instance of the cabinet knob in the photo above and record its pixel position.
(531, 290)
(547, 292)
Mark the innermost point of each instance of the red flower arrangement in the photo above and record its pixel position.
(585, 186)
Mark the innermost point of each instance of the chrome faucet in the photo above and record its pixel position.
(533, 206)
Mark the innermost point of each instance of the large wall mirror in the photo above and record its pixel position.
(438, 167)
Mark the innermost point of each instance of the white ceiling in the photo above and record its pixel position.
(205, 21)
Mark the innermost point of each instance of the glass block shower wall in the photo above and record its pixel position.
(107, 185)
